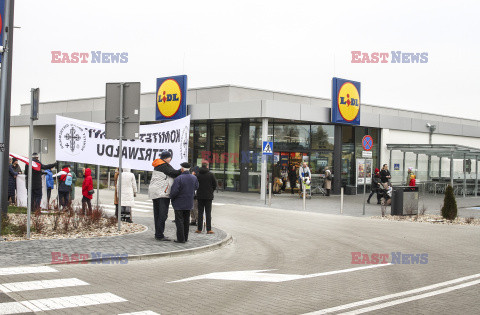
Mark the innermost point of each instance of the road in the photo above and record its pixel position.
(298, 249)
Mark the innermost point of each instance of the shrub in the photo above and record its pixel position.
(112, 221)
(449, 209)
(469, 220)
(38, 221)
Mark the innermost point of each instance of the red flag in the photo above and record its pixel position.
(36, 166)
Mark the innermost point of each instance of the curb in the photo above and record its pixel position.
(184, 252)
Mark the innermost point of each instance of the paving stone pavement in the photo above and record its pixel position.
(39, 251)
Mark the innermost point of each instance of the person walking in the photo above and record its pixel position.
(182, 194)
(129, 192)
(327, 183)
(194, 212)
(50, 184)
(385, 175)
(207, 183)
(292, 177)
(284, 175)
(64, 186)
(412, 182)
(12, 182)
(375, 187)
(87, 191)
(159, 191)
(37, 180)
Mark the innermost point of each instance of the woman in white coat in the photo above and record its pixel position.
(129, 192)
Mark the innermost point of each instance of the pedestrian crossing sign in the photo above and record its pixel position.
(267, 148)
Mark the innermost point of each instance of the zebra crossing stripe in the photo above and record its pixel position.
(40, 285)
(24, 270)
(59, 303)
(141, 313)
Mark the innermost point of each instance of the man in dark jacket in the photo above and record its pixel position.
(207, 183)
(182, 194)
(37, 180)
(12, 181)
(159, 191)
(375, 186)
(385, 174)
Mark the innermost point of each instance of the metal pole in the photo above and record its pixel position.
(304, 196)
(464, 175)
(364, 184)
(263, 176)
(269, 194)
(30, 152)
(120, 153)
(5, 103)
(416, 164)
(341, 200)
(476, 175)
(440, 168)
(390, 162)
(139, 177)
(108, 181)
(451, 169)
(404, 178)
(98, 184)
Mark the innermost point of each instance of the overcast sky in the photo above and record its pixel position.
(289, 46)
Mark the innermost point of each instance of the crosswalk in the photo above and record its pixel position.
(143, 206)
(54, 303)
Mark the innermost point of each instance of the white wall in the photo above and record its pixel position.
(19, 140)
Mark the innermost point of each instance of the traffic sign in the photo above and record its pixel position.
(367, 143)
(267, 148)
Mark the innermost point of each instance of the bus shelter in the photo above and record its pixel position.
(449, 151)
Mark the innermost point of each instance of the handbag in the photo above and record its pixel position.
(91, 192)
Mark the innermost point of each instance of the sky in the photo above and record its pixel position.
(288, 46)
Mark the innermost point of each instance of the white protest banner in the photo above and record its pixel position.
(84, 142)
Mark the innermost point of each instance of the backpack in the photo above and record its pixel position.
(68, 180)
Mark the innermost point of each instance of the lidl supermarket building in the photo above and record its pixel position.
(227, 124)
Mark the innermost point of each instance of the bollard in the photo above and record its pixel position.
(270, 194)
(108, 181)
(341, 200)
(304, 197)
(139, 176)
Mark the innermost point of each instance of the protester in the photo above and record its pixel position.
(327, 183)
(412, 181)
(12, 182)
(64, 186)
(50, 184)
(87, 191)
(128, 194)
(375, 187)
(194, 212)
(37, 181)
(74, 181)
(159, 191)
(207, 183)
(385, 174)
(16, 167)
(182, 194)
(292, 177)
(303, 174)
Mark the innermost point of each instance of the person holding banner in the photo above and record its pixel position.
(159, 191)
(64, 186)
(37, 180)
(12, 182)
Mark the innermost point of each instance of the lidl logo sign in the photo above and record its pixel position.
(171, 95)
(345, 101)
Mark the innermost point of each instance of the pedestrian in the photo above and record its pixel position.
(50, 184)
(277, 182)
(284, 175)
(385, 175)
(128, 194)
(327, 182)
(87, 191)
(292, 177)
(207, 183)
(412, 180)
(16, 166)
(194, 212)
(303, 174)
(375, 186)
(37, 181)
(74, 181)
(12, 182)
(182, 194)
(159, 191)
(64, 187)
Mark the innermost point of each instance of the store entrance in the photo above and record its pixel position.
(284, 161)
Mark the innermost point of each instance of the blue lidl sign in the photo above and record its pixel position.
(171, 98)
(345, 101)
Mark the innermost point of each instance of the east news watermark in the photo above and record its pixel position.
(92, 258)
(98, 57)
(395, 258)
(389, 57)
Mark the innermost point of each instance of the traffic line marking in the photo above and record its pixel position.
(394, 295)
(59, 303)
(111, 208)
(24, 270)
(141, 313)
(260, 276)
(39, 285)
(413, 298)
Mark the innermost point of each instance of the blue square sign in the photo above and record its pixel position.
(267, 148)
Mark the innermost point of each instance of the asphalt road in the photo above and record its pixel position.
(291, 245)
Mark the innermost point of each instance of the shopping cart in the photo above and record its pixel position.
(317, 186)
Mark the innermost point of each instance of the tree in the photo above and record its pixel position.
(449, 209)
